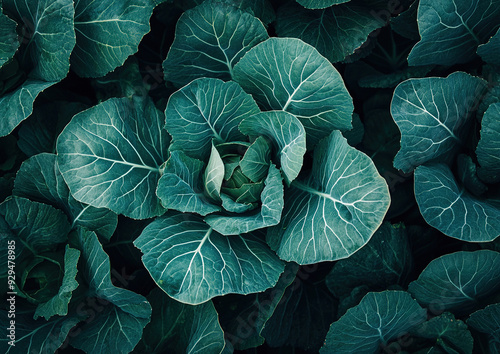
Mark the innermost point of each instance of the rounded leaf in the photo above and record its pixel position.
(378, 319)
(335, 210)
(110, 156)
(453, 210)
(209, 41)
(456, 282)
(290, 75)
(193, 263)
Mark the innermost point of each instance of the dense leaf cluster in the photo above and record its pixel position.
(222, 175)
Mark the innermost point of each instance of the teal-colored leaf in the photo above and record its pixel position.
(110, 156)
(119, 315)
(443, 334)
(52, 35)
(107, 32)
(58, 305)
(488, 147)
(335, 210)
(286, 132)
(320, 4)
(384, 261)
(17, 105)
(207, 109)
(235, 207)
(209, 40)
(458, 282)
(269, 214)
(243, 318)
(181, 185)
(432, 115)
(193, 263)
(378, 319)
(255, 162)
(168, 331)
(40, 226)
(490, 52)
(451, 209)
(36, 336)
(39, 179)
(336, 32)
(487, 321)
(451, 30)
(8, 39)
(214, 175)
(290, 75)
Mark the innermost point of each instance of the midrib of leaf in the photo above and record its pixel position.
(465, 25)
(424, 109)
(218, 137)
(122, 162)
(195, 253)
(306, 188)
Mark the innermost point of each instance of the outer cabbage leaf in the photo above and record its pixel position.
(209, 40)
(193, 263)
(204, 110)
(488, 147)
(320, 4)
(269, 214)
(37, 336)
(453, 210)
(378, 319)
(8, 38)
(107, 32)
(458, 281)
(39, 226)
(490, 52)
(287, 134)
(110, 156)
(39, 179)
(487, 321)
(336, 32)
(290, 75)
(168, 331)
(118, 317)
(431, 114)
(181, 185)
(17, 105)
(335, 210)
(451, 30)
(52, 38)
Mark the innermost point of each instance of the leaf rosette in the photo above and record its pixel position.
(224, 155)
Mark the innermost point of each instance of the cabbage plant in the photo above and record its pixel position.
(218, 176)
